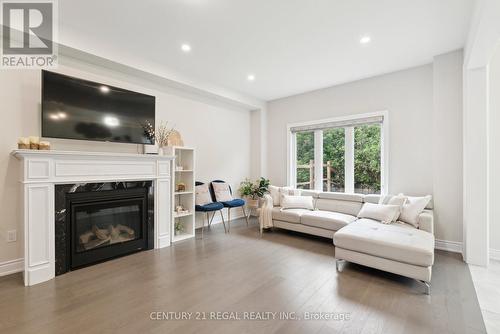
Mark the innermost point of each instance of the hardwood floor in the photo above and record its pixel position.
(240, 272)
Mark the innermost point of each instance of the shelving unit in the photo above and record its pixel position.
(184, 157)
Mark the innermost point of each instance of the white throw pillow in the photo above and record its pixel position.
(202, 195)
(275, 194)
(288, 191)
(382, 212)
(222, 192)
(399, 200)
(297, 202)
(413, 207)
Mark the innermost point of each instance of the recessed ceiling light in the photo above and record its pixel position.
(251, 77)
(365, 39)
(186, 47)
(104, 89)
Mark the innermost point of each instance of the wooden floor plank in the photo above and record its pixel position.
(241, 272)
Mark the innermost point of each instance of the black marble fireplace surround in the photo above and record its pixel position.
(95, 222)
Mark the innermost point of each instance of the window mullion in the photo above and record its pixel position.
(349, 160)
(318, 160)
(292, 180)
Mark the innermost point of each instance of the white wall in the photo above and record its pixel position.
(220, 133)
(447, 145)
(408, 97)
(494, 152)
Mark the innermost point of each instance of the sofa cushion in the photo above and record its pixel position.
(399, 242)
(297, 202)
(326, 219)
(380, 212)
(346, 207)
(288, 215)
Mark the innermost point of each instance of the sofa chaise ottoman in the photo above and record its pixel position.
(399, 247)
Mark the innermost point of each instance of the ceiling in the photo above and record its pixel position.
(291, 46)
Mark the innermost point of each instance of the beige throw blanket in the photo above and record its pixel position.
(266, 213)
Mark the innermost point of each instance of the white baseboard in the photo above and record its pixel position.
(11, 267)
(450, 246)
(495, 254)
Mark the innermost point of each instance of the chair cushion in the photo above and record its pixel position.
(209, 207)
(399, 241)
(234, 203)
(326, 219)
(288, 215)
(202, 194)
(222, 191)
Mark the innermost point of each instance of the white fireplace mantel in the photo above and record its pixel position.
(42, 170)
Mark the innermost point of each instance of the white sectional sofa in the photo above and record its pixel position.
(399, 248)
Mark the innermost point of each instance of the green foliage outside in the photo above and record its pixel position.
(334, 151)
(305, 153)
(366, 157)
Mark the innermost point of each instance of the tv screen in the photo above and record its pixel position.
(79, 109)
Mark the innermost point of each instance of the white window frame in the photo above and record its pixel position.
(349, 153)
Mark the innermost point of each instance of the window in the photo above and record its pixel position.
(367, 149)
(340, 155)
(334, 160)
(305, 160)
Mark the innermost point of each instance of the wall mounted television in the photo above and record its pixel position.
(73, 108)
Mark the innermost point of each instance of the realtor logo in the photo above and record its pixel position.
(28, 34)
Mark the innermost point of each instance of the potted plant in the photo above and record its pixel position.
(161, 136)
(253, 191)
(178, 227)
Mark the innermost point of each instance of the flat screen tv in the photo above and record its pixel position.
(73, 108)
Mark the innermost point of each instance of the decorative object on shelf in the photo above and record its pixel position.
(34, 142)
(44, 145)
(179, 227)
(23, 143)
(180, 209)
(181, 186)
(175, 139)
(162, 135)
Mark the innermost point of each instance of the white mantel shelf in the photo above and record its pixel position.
(42, 170)
(20, 154)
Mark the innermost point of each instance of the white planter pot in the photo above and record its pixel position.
(151, 149)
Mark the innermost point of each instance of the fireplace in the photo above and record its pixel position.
(100, 221)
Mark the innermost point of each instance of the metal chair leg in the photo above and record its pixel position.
(223, 223)
(228, 220)
(244, 212)
(211, 219)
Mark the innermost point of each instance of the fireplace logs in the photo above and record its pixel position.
(97, 237)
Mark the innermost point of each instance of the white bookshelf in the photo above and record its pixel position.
(184, 157)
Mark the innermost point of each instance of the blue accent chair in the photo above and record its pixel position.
(235, 203)
(207, 208)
